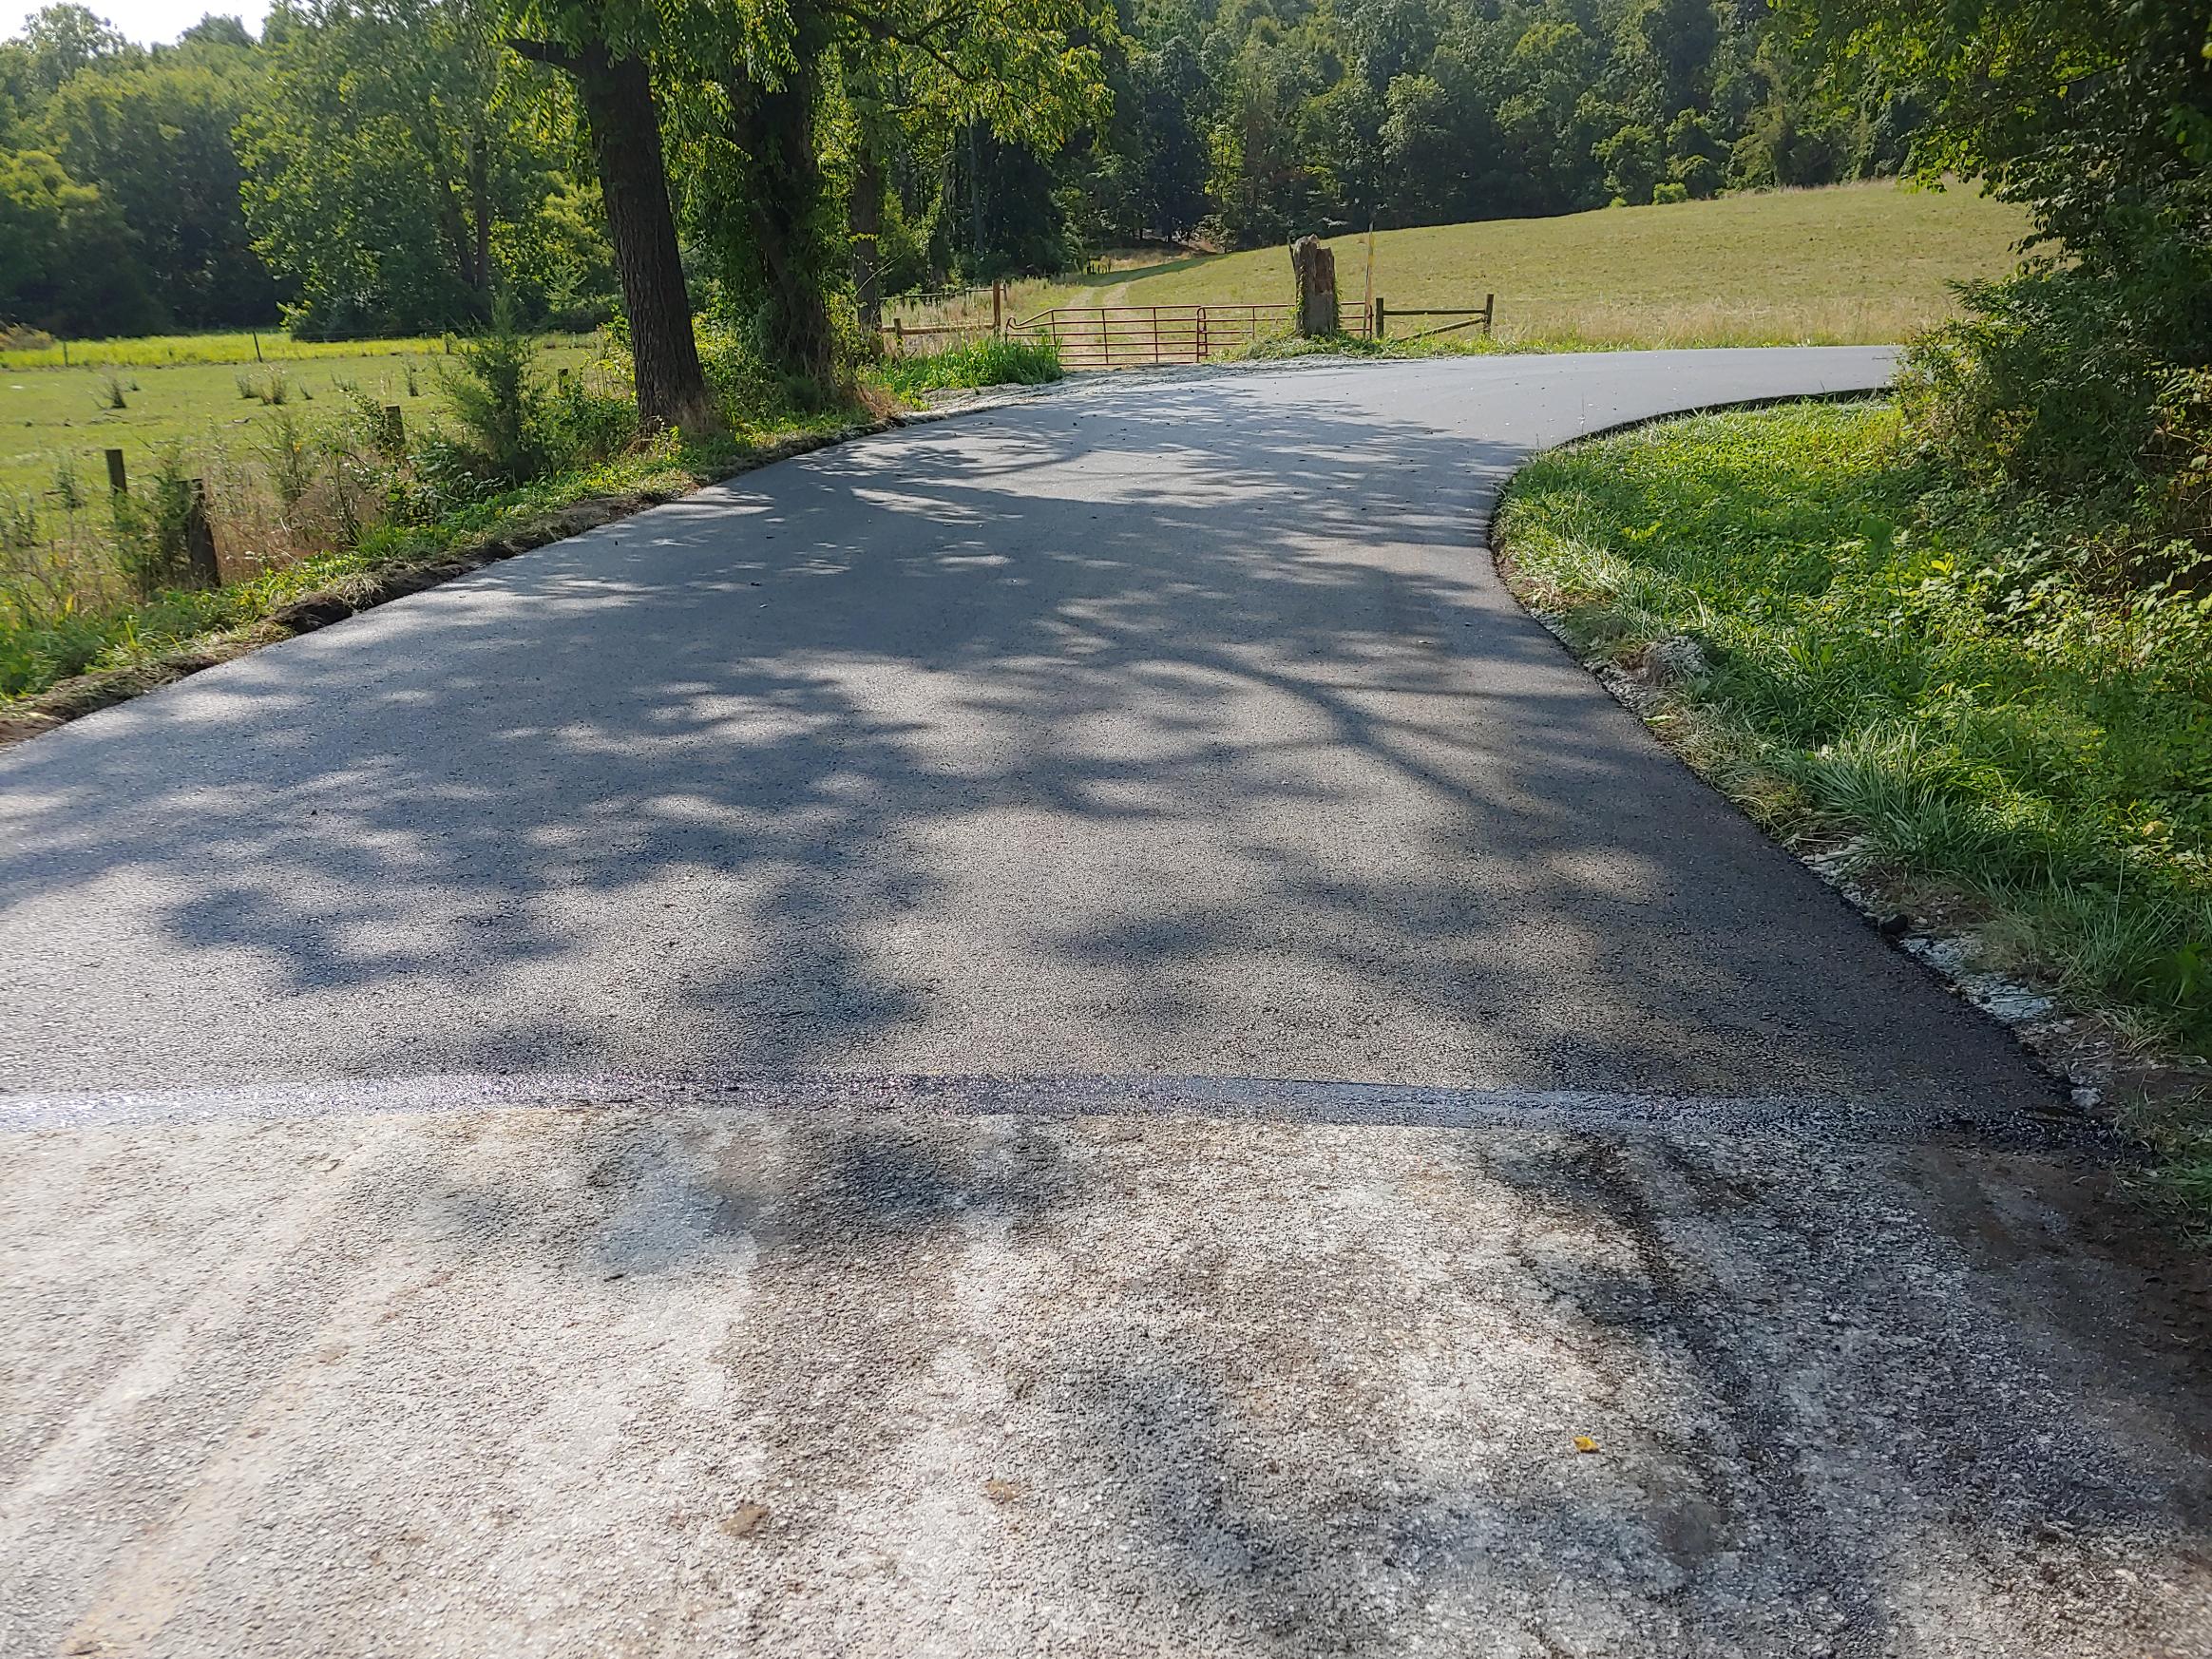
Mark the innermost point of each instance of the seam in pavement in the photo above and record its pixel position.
(1353, 1104)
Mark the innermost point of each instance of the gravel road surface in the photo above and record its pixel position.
(1056, 1032)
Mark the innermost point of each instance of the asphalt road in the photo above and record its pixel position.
(1055, 1032)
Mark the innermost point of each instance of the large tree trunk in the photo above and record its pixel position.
(775, 129)
(617, 95)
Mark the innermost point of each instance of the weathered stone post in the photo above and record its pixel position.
(1314, 267)
(201, 569)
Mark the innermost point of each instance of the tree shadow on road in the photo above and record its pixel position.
(1180, 730)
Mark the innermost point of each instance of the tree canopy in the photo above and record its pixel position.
(392, 165)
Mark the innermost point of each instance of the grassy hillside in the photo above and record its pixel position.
(1853, 265)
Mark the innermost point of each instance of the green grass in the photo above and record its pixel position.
(53, 417)
(2030, 759)
(1847, 265)
(973, 363)
(266, 346)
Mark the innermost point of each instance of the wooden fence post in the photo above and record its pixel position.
(1489, 310)
(999, 307)
(117, 482)
(899, 336)
(1381, 317)
(395, 433)
(199, 561)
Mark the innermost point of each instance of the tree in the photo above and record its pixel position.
(1632, 163)
(1018, 70)
(213, 31)
(67, 262)
(1694, 158)
(63, 40)
(2096, 115)
(1169, 87)
(605, 53)
(18, 91)
(386, 160)
(2087, 377)
(155, 135)
(1549, 75)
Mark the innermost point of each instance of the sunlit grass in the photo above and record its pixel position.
(987, 361)
(244, 346)
(54, 420)
(1848, 266)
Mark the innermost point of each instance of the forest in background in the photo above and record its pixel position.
(368, 167)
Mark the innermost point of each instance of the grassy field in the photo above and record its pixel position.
(2039, 773)
(159, 350)
(54, 417)
(1852, 264)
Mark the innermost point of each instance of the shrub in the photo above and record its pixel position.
(580, 426)
(987, 361)
(149, 527)
(497, 399)
(2055, 399)
(291, 462)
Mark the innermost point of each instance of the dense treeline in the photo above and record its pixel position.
(1249, 120)
(387, 165)
(363, 169)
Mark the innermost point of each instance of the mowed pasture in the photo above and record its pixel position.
(1852, 264)
(55, 421)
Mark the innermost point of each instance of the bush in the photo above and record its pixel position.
(2043, 386)
(496, 397)
(2056, 398)
(149, 527)
(747, 392)
(580, 426)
